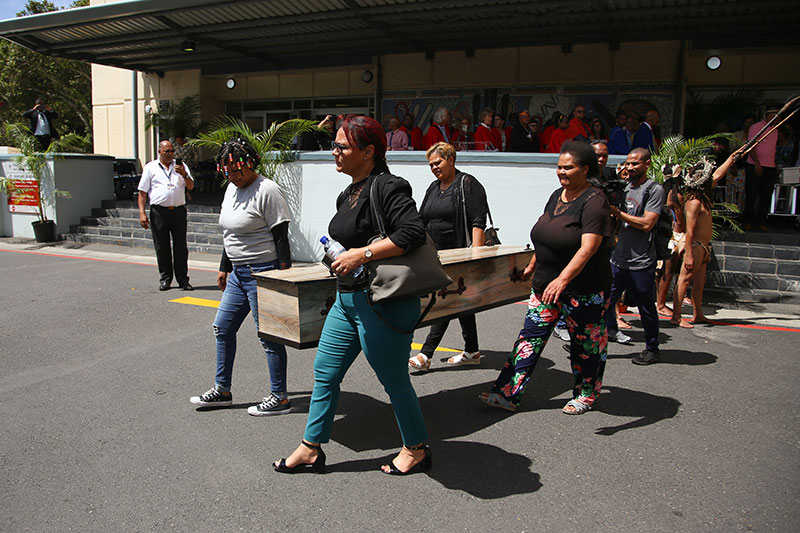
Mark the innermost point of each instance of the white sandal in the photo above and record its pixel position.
(492, 399)
(420, 363)
(465, 358)
(577, 407)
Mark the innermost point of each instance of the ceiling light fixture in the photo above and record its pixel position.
(713, 62)
(230, 83)
(188, 46)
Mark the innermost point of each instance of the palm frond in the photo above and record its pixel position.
(273, 145)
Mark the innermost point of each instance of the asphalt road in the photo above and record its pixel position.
(97, 432)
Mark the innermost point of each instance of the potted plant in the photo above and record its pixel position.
(35, 161)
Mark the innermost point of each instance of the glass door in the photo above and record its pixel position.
(256, 121)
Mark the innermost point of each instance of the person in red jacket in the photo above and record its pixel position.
(440, 130)
(577, 126)
(486, 137)
(414, 132)
(549, 127)
(559, 136)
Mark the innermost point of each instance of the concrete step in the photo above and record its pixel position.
(196, 227)
(140, 233)
(137, 242)
(759, 251)
(789, 238)
(750, 281)
(776, 267)
(731, 295)
(212, 207)
(133, 214)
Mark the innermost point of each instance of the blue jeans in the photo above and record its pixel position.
(350, 327)
(641, 285)
(237, 300)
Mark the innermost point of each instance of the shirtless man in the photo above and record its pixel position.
(698, 184)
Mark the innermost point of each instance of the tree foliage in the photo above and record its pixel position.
(64, 84)
(179, 118)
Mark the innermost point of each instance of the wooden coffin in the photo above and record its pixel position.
(293, 303)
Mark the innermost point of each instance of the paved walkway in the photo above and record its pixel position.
(97, 365)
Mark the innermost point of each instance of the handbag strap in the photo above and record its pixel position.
(377, 209)
(489, 212)
(467, 229)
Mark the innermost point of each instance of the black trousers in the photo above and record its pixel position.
(758, 193)
(165, 222)
(43, 141)
(469, 330)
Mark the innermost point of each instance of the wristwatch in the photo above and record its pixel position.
(368, 254)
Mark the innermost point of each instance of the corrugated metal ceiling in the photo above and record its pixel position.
(271, 35)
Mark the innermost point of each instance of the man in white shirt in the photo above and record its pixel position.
(164, 182)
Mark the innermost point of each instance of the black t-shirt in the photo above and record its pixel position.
(439, 214)
(353, 225)
(556, 238)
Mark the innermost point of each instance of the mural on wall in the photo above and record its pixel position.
(600, 101)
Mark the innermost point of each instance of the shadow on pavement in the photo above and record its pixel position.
(498, 474)
(649, 408)
(676, 357)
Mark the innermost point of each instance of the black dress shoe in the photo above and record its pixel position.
(163, 286)
(187, 286)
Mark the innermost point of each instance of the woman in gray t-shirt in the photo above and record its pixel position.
(255, 226)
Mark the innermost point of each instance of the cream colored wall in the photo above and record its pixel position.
(318, 83)
(645, 62)
(111, 107)
(757, 68)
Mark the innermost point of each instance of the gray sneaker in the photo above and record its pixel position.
(620, 338)
(271, 405)
(562, 333)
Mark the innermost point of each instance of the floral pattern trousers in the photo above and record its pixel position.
(586, 323)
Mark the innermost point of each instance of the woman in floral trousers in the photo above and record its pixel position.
(571, 276)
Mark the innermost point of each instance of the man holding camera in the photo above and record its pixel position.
(41, 118)
(165, 181)
(633, 263)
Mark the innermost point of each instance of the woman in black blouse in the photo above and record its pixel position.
(571, 275)
(454, 212)
(353, 324)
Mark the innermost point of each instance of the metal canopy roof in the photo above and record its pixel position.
(257, 35)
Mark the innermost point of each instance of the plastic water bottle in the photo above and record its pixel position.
(334, 249)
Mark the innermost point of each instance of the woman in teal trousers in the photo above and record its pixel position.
(353, 324)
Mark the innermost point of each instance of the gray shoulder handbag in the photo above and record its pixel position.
(416, 273)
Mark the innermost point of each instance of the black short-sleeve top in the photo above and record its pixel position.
(556, 238)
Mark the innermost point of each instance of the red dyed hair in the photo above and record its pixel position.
(362, 131)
